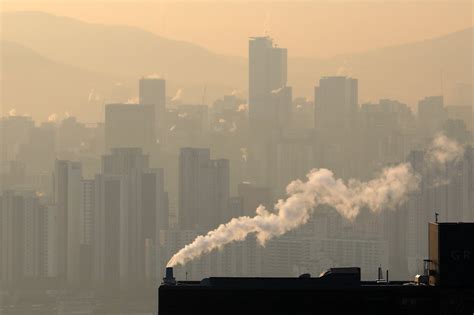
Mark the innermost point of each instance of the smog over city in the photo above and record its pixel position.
(184, 156)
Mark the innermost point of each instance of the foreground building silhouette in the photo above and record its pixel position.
(446, 287)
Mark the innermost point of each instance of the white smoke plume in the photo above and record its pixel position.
(53, 117)
(93, 96)
(243, 108)
(13, 113)
(344, 69)
(178, 96)
(388, 190)
(244, 154)
(443, 150)
(234, 127)
(153, 76)
(133, 100)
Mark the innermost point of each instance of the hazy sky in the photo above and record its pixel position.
(310, 28)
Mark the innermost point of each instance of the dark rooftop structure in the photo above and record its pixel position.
(446, 287)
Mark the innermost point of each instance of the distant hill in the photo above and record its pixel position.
(35, 85)
(124, 50)
(406, 72)
(68, 58)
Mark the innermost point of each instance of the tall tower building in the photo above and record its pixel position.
(131, 207)
(431, 115)
(267, 72)
(152, 91)
(22, 239)
(336, 102)
(269, 105)
(335, 120)
(203, 189)
(66, 195)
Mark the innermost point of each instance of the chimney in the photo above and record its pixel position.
(169, 279)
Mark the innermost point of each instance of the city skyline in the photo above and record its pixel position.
(128, 160)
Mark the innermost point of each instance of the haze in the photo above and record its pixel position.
(307, 28)
(138, 137)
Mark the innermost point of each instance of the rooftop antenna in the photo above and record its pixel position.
(436, 217)
(266, 24)
(204, 94)
(441, 81)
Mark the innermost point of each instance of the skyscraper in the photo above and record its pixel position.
(130, 209)
(66, 196)
(203, 189)
(431, 115)
(337, 135)
(22, 237)
(269, 105)
(336, 102)
(267, 72)
(152, 91)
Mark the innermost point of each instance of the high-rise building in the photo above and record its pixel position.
(293, 161)
(87, 206)
(22, 238)
(267, 73)
(67, 179)
(39, 152)
(269, 105)
(131, 207)
(203, 189)
(431, 115)
(110, 202)
(130, 126)
(14, 132)
(152, 91)
(336, 102)
(337, 135)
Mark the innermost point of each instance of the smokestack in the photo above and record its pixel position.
(169, 279)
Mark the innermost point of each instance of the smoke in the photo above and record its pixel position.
(244, 154)
(94, 96)
(13, 113)
(53, 117)
(443, 150)
(234, 127)
(133, 100)
(276, 91)
(178, 96)
(91, 95)
(243, 108)
(153, 76)
(266, 24)
(388, 190)
(344, 69)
